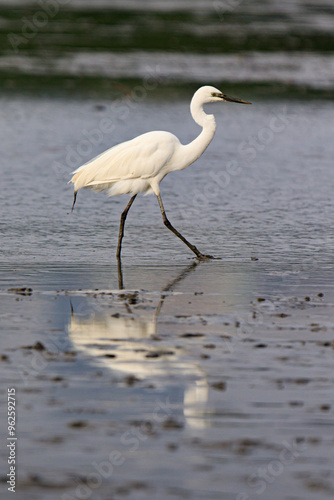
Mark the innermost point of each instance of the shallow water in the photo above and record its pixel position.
(262, 189)
(217, 375)
(192, 376)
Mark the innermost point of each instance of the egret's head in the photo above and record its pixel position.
(211, 94)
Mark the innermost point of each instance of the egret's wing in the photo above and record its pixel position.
(142, 157)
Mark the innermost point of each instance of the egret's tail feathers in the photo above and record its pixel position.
(106, 183)
(98, 186)
(85, 179)
(74, 200)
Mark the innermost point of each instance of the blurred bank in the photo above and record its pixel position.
(274, 47)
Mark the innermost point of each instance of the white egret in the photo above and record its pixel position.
(139, 165)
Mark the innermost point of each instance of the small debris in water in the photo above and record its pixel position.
(100, 107)
(21, 291)
(132, 298)
(191, 335)
(131, 380)
(219, 386)
(318, 329)
(302, 381)
(78, 424)
(152, 355)
(157, 354)
(172, 446)
(38, 346)
(172, 423)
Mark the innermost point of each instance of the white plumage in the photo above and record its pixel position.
(130, 166)
(139, 165)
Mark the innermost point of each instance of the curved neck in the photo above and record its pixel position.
(197, 147)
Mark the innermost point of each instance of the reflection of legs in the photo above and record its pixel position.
(198, 254)
(121, 226)
(171, 284)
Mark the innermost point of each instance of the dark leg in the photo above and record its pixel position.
(74, 199)
(120, 274)
(198, 254)
(121, 226)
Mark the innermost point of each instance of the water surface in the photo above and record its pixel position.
(208, 373)
(191, 380)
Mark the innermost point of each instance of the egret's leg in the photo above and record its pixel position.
(121, 226)
(120, 274)
(198, 254)
(74, 200)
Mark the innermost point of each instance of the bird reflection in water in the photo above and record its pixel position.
(127, 342)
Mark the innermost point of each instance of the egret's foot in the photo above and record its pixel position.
(202, 256)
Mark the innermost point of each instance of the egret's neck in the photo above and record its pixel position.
(198, 114)
(197, 147)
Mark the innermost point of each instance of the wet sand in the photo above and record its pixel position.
(205, 381)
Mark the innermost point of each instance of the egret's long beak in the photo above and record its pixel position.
(233, 99)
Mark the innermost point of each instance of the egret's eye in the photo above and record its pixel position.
(215, 94)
